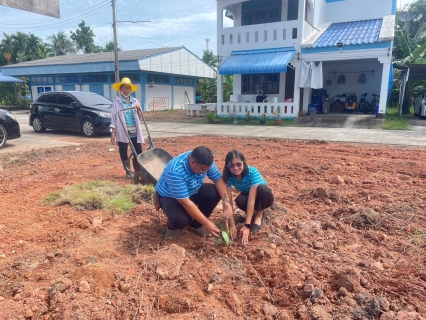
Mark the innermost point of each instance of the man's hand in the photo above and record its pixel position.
(229, 211)
(245, 235)
(211, 228)
(233, 230)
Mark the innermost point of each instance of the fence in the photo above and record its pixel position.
(159, 103)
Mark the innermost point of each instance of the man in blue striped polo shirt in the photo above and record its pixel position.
(184, 197)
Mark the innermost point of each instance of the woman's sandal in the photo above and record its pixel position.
(255, 227)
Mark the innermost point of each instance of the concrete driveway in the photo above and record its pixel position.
(334, 132)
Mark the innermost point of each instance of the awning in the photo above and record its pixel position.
(9, 79)
(257, 61)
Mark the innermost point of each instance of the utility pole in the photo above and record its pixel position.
(207, 44)
(114, 26)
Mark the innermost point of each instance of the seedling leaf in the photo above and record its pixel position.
(218, 241)
(225, 237)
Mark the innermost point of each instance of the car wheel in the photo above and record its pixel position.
(415, 113)
(3, 136)
(38, 125)
(88, 128)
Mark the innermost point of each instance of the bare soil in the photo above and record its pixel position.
(345, 239)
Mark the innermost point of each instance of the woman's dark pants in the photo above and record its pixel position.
(206, 199)
(122, 148)
(264, 199)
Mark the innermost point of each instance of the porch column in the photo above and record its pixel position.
(296, 93)
(219, 89)
(384, 88)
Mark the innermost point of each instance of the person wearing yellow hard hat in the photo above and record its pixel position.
(126, 120)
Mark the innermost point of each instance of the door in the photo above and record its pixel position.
(67, 114)
(97, 88)
(47, 109)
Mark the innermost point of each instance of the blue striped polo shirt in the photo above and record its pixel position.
(252, 178)
(179, 181)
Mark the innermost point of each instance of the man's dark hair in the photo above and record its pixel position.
(203, 156)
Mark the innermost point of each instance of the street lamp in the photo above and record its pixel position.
(114, 26)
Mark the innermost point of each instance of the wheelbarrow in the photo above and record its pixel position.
(152, 162)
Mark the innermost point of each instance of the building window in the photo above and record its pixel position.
(294, 33)
(247, 37)
(41, 80)
(183, 80)
(284, 34)
(261, 11)
(256, 36)
(158, 78)
(293, 10)
(231, 39)
(223, 39)
(239, 38)
(275, 35)
(269, 83)
(265, 35)
(134, 77)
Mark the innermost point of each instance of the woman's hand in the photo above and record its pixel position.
(113, 139)
(244, 235)
(233, 232)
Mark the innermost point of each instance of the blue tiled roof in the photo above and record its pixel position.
(354, 32)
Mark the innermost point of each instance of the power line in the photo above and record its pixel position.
(63, 16)
(57, 24)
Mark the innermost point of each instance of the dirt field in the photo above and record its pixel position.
(345, 239)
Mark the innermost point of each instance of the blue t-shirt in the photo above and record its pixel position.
(129, 117)
(252, 178)
(179, 181)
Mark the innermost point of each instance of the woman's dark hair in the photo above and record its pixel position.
(229, 157)
(202, 155)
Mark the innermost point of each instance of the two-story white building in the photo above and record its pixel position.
(278, 51)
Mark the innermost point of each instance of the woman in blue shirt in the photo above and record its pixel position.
(131, 119)
(255, 196)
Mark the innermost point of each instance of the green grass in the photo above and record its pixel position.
(101, 195)
(253, 122)
(394, 121)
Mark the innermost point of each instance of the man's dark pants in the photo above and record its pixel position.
(206, 199)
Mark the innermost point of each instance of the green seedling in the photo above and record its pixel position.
(223, 236)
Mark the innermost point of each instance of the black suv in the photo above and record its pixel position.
(9, 127)
(76, 111)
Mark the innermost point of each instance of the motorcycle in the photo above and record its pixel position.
(350, 103)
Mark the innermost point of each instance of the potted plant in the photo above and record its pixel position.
(210, 117)
(263, 118)
(248, 117)
(225, 119)
(277, 114)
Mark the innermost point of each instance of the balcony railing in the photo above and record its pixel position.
(269, 35)
(256, 109)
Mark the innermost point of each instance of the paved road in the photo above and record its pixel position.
(416, 136)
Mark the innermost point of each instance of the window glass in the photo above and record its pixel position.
(50, 98)
(268, 83)
(158, 78)
(261, 11)
(64, 99)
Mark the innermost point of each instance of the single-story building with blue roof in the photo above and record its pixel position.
(166, 77)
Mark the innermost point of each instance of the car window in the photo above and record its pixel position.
(50, 98)
(41, 99)
(92, 99)
(66, 100)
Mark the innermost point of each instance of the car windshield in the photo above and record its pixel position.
(93, 99)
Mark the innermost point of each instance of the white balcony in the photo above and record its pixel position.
(259, 36)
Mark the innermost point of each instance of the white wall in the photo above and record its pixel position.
(179, 96)
(158, 91)
(352, 69)
(351, 10)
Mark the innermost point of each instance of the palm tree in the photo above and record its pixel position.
(6, 48)
(60, 44)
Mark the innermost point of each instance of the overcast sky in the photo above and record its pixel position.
(173, 22)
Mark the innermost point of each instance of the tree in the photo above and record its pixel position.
(60, 44)
(20, 47)
(209, 58)
(208, 87)
(84, 38)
